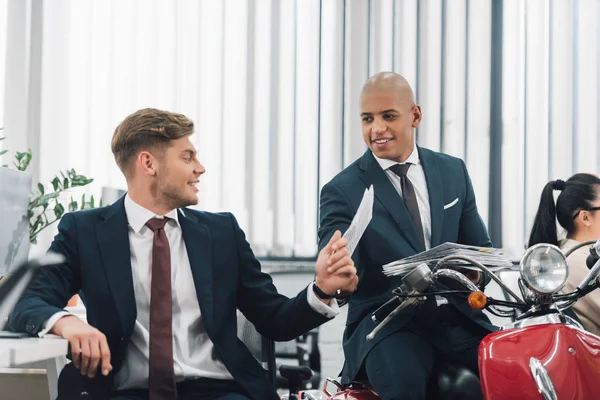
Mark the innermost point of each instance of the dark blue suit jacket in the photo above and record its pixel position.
(226, 275)
(391, 235)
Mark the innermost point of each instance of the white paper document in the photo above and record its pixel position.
(361, 220)
(493, 258)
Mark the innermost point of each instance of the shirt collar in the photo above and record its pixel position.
(385, 164)
(137, 216)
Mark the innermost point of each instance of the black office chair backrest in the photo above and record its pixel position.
(261, 348)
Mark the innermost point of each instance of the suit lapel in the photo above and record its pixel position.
(113, 241)
(199, 248)
(388, 196)
(435, 187)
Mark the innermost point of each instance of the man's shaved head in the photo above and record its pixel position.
(389, 81)
(389, 116)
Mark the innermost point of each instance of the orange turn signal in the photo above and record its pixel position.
(477, 300)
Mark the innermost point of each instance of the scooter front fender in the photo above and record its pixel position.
(568, 356)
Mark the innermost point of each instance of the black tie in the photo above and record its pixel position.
(410, 198)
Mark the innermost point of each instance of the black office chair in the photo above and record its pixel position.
(261, 348)
(264, 350)
(302, 352)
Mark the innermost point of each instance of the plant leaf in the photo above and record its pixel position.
(37, 223)
(55, 183)
(43, 199)
(72, 205)
(41, 188)
(82, 201)
(23, 160)
(59, 210)
(3, 152)
(92, 201)
(80, 180)
(49, 196)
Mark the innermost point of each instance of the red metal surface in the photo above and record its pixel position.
(356, 394)
(504, 362)
(351, 391)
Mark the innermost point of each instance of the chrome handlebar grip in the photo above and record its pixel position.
(406, 303)
(482, 268)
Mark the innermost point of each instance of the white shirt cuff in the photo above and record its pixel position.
(49, 324)
(329, 311)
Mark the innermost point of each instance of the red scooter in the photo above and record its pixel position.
(543, 354)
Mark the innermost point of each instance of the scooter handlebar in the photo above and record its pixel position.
(379, 315)
(408, 302)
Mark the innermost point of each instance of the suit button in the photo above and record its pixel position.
(30, 328)
(121, 338)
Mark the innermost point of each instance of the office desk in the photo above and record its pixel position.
(49, 351)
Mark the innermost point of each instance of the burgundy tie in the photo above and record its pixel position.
(161, 378)
(410, 197)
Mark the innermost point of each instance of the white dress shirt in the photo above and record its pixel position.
(417, 178)
(193, 351)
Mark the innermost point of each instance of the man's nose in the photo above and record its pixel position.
(199, 170)
(378, 126)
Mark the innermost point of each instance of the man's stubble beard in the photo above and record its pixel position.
(176, 198)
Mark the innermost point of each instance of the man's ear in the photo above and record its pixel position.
(147, 163)
(417, 115)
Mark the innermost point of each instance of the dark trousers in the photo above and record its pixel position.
(401, 365)
(194, 389)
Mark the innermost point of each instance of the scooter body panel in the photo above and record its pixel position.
(570, 356)
(355, 394)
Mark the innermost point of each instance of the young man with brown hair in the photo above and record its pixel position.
(161, 282)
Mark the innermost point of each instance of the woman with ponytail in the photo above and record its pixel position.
(577, 211)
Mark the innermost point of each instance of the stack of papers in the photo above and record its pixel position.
(495, 259)
(361, 220)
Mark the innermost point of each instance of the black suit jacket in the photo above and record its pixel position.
(391, 235)
(226, 275)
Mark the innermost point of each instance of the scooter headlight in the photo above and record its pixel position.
(544, 268)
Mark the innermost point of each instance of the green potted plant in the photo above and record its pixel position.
(47, 202)
(45, 205)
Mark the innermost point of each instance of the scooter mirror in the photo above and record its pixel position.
(418, 280)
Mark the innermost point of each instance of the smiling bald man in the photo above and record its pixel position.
(422, 199)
